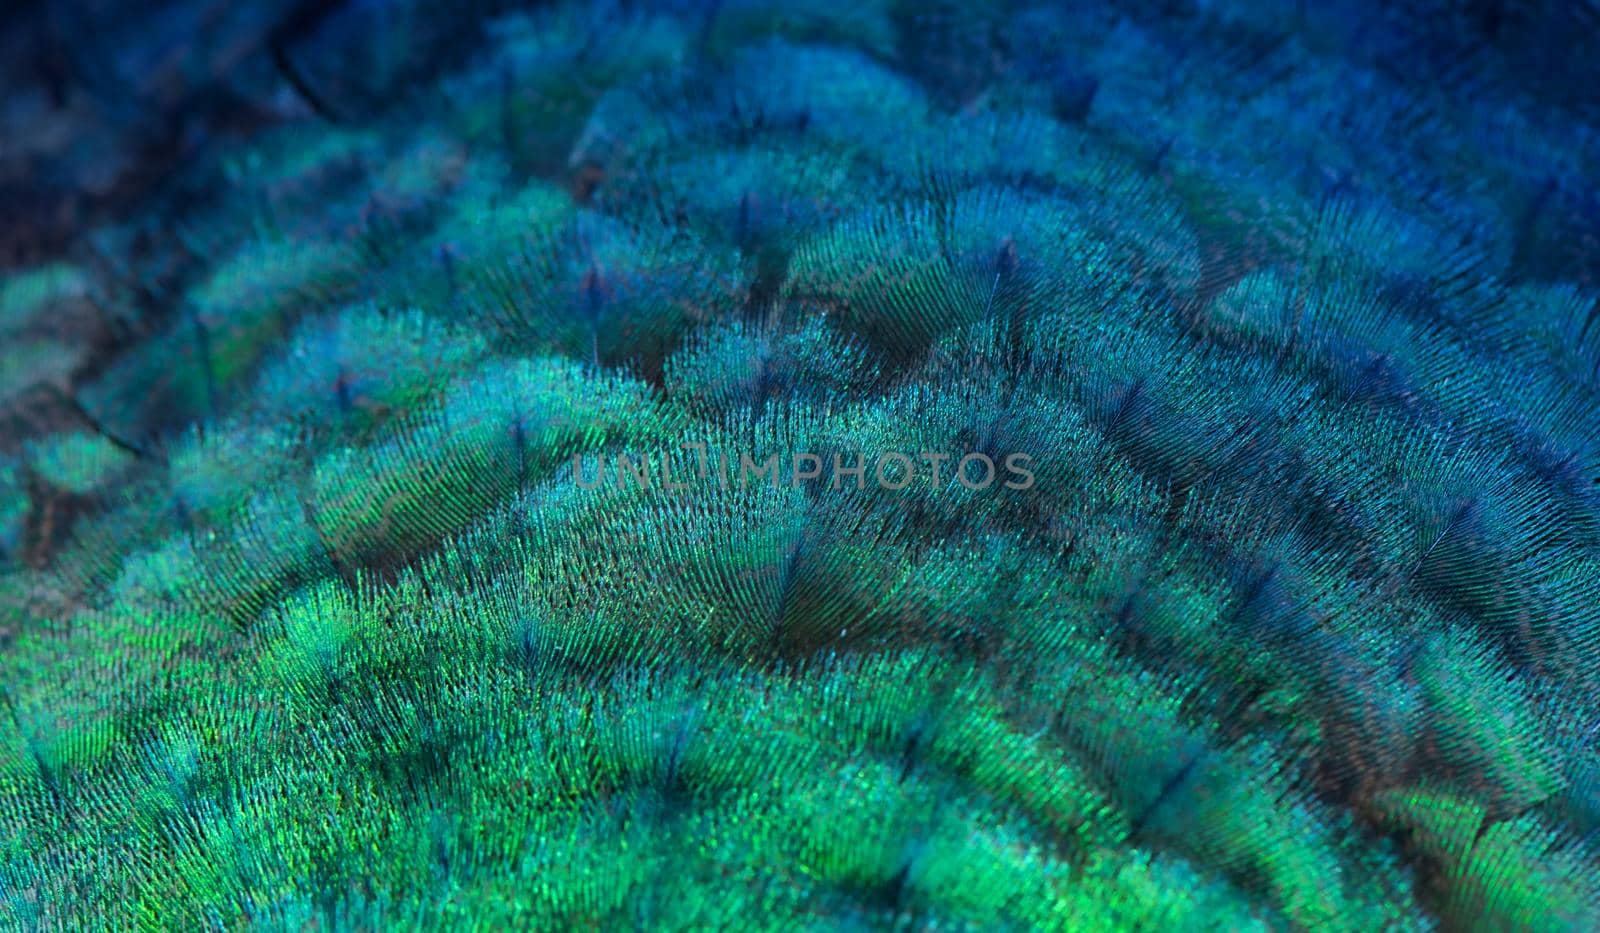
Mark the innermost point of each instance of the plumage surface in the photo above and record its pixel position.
(308, 622)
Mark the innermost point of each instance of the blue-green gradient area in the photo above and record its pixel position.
(308, 623)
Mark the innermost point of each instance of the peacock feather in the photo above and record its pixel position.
(772, 465)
